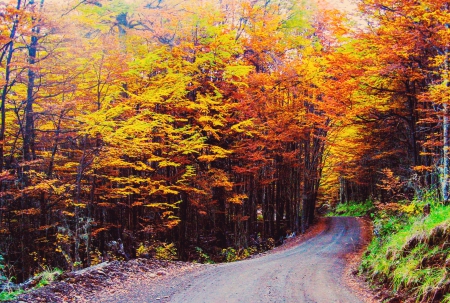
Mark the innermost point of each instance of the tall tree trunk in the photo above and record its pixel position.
(306, 187)
(9, 50)
(183, 226)
(29, 152)
(278, 196)
(445, 132)
(77, 236)
(445, 153)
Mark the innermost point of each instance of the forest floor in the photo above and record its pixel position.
(318, 266)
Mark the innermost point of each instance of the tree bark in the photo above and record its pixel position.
(29, 152)
(445, 134)
(9, 50)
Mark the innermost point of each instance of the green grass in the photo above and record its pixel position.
(446, 299)
(10, 295)
(44, 278)
(47, 276)
(407, 252)
(352, 209)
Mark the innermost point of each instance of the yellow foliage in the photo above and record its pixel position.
(207, 158)
(142, 250)
(220, 179)
(410, 209)
(29, 211)
(237, 199)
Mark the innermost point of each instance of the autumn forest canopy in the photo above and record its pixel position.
(128, 127)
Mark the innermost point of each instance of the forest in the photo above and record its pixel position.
(132, 128)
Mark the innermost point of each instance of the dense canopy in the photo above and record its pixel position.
(127, 126)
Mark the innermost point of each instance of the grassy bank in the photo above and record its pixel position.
(409, 254)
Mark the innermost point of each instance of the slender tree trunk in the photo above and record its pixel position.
(265, 211)
(445, 153)
(80, 172)
(9, 50)
(183, 226)
(305, 211)
(306, 187)
(29, 152)
(251, 206)
(272, 209)
(89, 218)
(342, 190)
(445, 133)
(278, 197)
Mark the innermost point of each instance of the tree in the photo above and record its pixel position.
(152, 122)
(392, 70)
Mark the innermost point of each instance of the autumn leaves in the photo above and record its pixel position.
(166, 121)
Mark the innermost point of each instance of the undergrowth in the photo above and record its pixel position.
(45, 277)
(352, 209)
(409, 253)
(10, 295)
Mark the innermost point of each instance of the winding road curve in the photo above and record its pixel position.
(310, 272)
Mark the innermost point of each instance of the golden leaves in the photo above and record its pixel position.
(27, 212)
(237, 199)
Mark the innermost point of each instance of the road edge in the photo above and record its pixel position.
(356, 282)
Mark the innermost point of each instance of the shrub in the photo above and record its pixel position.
(230, 254)
(203, 257)
(10, 295)
(142, 250)
(352, 209)
(47, 276)
(166, 252)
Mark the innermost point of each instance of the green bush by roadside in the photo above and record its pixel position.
(352, 209)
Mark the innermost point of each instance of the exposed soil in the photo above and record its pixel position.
(310, 272)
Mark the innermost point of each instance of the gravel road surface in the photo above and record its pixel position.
(310, 272)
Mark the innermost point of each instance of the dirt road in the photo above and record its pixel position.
(310, 272)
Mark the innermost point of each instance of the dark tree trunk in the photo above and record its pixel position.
(8, 51)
